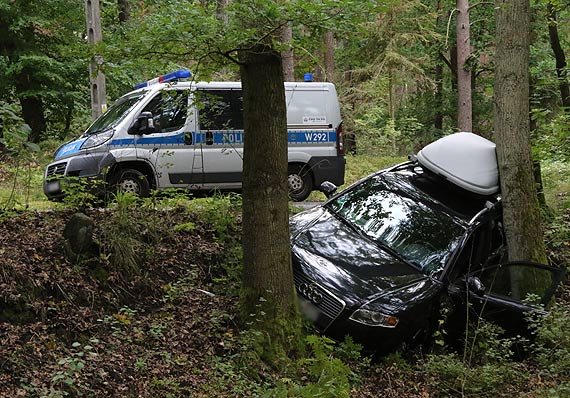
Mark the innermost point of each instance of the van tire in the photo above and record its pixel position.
(132, 181)
(300, 183)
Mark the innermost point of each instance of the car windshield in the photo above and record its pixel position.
(388, 210)
(114, 114)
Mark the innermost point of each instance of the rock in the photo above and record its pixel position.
(78, 234)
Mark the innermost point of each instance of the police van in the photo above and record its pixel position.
(172, 133)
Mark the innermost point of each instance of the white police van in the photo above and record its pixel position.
(169, 133)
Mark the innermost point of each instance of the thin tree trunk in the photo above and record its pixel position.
(328, 55)
(287, 55)
(221, 12)
(33, 114)
(124, 10)
(267, 276)
(464, 105)
(438, 95)
(522, 219)
(559, 55)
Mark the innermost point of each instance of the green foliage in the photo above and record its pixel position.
(220, 214)
(552, 138)
(552, 345)
(14, 140)
(43, 57)
(451, 377)
(130, 234)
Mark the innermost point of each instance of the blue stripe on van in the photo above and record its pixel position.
(227, 137)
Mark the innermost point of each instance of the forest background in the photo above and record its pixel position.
(394, 64)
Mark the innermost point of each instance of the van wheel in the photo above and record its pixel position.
(132, 181)
(300, 183)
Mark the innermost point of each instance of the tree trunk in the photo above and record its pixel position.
(438, 95)
(328, 55)
(33, 114)
(559, 55)
(124, 10)
(267, 275)
(287, 55)
(221, 12)
(464, 106)
(521, 214)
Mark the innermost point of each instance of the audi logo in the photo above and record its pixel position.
(311, 292)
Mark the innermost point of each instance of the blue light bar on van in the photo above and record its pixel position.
(169, 77)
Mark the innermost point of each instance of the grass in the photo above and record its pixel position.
(556, 180)
(21, 185)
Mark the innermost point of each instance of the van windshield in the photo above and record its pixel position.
(115, 113)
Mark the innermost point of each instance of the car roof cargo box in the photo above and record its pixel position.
(467, 160)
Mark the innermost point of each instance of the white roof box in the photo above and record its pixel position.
(466, 159)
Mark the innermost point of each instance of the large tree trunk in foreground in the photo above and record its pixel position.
(521, 210)
(267, 277)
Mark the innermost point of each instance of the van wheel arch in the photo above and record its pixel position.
(300, 181)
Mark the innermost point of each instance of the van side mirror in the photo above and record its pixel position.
(144, 124)
(475, 286)
(328, 188)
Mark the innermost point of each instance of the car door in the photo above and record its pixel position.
(506, 293)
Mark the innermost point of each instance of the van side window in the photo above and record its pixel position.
(169, 110)
(220, 109)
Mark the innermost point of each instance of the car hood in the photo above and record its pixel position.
(349, 265)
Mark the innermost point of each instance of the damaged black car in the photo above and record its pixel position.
(375, 261)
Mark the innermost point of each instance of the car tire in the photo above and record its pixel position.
(300, 183)
(132, 181)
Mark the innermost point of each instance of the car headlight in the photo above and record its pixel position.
(97, 139)
(371, 317)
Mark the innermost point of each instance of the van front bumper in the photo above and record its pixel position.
(87, 171)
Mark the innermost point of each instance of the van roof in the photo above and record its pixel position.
(324, 86)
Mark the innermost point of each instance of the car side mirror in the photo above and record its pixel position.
(144, 124)
(328, 188)
(475, 286)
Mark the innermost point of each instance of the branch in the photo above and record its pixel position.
(448, 24)
(446, 61)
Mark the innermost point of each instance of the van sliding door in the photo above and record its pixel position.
(219, 138)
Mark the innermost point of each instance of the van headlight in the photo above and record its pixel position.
(368, 315)
(97, 139)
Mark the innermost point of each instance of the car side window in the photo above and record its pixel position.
(220, 109)
(169, 109)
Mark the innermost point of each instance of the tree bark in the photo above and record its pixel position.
(267, 276)
(464, 105)
(328, 55)
(221, 12)
(287, 55)
(521, 214)
(33, 114)
(559, 56)
(438, 95)
(124, 10)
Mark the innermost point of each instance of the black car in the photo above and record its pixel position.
(376, 260)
